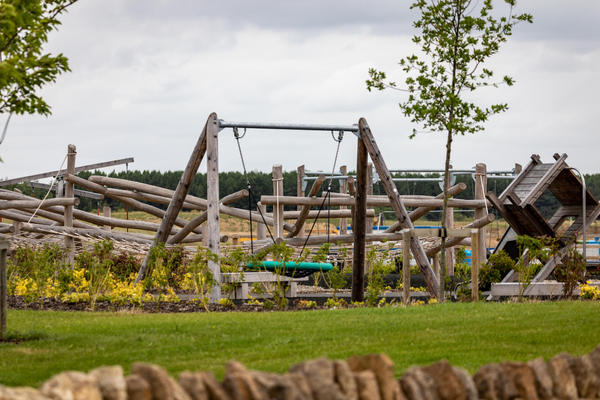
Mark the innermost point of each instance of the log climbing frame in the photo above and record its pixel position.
(207, 145)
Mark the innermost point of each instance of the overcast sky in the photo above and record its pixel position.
(147, 73)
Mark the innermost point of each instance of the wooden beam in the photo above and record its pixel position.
(324, 214)
(358, 223)
(454, 241)
(76, 170)
(16, 204)
(372, 201)
(305, 210)
(398, 206)
(96, 233)
(213, 231)
(76, 192)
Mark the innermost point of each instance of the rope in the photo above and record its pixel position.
(48, 192)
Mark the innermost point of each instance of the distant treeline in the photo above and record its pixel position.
(261, 183)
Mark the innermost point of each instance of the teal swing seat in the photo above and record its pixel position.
(292, 269)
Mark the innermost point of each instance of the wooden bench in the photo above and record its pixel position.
(241, 281)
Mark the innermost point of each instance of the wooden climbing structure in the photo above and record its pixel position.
(517, 206)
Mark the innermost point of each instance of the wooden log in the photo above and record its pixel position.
(96, 233)
(325, 214)
(16, 204)
(359, 223)
(143, 187)
(151, 198)
(69, 241)
(398, 206)
(6, 228)
(198, 239)
(379, 202)
(261, 229)
(305, 210)
(454, 241)
(213, 232)
(22, 216)
(277, 206)
(200, 219)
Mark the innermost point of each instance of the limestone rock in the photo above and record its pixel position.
(71, 385)
(137, 388)
(179, 392)
(449, 385)
(523, 378)
(588, 385)
(301, 382)
(494, 384)
(595, 359)
(565, 387)
(320, 376)
(157, 378)
(345, 379)
(543, 380)
(469, 383)
(383, 368)
(279, 387)
(111, 382)
(366, 383)
(419, 385)
(241, 385)
(194, 385)
(213, 387)
(21, 393)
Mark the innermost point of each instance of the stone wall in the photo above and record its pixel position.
(370, 377)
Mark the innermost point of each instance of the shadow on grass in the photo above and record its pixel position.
(17, 337)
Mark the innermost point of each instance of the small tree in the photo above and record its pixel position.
(24, 28)
(458, 36)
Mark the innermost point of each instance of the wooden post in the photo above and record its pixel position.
(213, 230)
(69, 241)
(359, 219)
(480, 190)
(475, 261)
(300, 193)
(406, 234)
(449, 251)
(343, 189)
(278, 210)
(436, 266)
(398, 206)
(4, 246)
(180, 193)
(106, 213)
(369, 226)
(261, 229)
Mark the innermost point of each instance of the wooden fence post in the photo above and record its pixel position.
(480, 191)
(475, 262)
(343, 189)
(278, 210)
(261, 229)
(69, 241)
(300, 193)
(406, 234)
(4, 245)
(213, 229)
(106, 213)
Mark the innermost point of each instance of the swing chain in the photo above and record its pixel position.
(237, 138)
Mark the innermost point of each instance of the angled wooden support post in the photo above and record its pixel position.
(406, 235)
(398, 206)
(213, 229)
(178, 197)
(359, 223)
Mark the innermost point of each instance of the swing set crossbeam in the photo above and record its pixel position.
(296, 127)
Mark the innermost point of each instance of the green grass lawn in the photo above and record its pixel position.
(469, 335)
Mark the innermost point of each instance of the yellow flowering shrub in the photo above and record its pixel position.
(589, 292)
